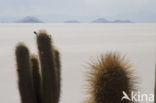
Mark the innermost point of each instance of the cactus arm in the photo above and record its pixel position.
(46, 54)
(36, 78)
(58, 72)
(24, 74)
(155, 86)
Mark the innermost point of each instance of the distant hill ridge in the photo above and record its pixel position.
(72, 21)
(29, 19)
(103, 20)
(33, 19)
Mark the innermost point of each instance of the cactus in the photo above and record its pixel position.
(48, 68)
(58, 74)
(155, 86)
(39, 81)
(24, 74)
(36, 77)
(108, 79)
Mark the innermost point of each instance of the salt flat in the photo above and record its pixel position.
(78, 44)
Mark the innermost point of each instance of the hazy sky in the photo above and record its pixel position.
(81, 8)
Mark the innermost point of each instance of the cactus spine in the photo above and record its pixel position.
(39, 81)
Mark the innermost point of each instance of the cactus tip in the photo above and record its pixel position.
(42, 34)
(21, 47)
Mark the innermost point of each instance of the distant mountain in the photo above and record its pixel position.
(121, 21)
(29, 19)
(103, 20)
(138, 17)
(127, 17)
(72, 21)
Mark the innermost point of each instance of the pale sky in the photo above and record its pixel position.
(47, 9)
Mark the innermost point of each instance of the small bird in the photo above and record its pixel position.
(35, 33)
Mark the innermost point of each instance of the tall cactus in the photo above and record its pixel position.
(48, 68)
(39, 83)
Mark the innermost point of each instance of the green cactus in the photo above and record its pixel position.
(39, 83)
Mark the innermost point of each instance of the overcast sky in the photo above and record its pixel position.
(77, 8)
